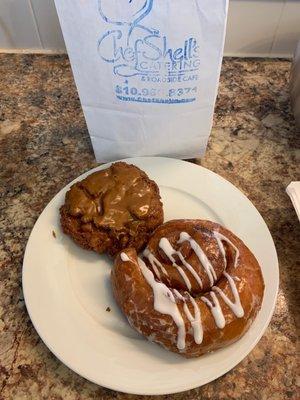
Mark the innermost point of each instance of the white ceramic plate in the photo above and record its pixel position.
(67, 289)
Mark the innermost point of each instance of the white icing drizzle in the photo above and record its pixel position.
(236, 307)
(195, 321)
(190, 268)
(219, 237)
(215, 309)
(124, 257)
(164, 298)
(154, 263)
(209, 269)
(164, 302)
(165, 245)
(167, 248)
(178, 294)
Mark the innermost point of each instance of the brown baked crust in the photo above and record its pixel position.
(112, 209)
(136, 298)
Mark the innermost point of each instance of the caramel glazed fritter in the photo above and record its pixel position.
(112, 209)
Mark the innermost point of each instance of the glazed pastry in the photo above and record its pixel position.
(112, 209)
(195, 288)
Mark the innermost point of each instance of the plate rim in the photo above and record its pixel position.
(115, 386)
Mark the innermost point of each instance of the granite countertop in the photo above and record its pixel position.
(44, 144)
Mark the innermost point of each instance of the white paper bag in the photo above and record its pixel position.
(147, 72)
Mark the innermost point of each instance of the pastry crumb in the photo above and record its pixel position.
(107, 309)
(54, 234)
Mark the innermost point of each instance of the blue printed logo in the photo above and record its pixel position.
(127, 15)
(135, 49)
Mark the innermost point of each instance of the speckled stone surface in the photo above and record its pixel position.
(44, 144)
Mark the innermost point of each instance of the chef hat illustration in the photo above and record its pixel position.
(124, 12)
